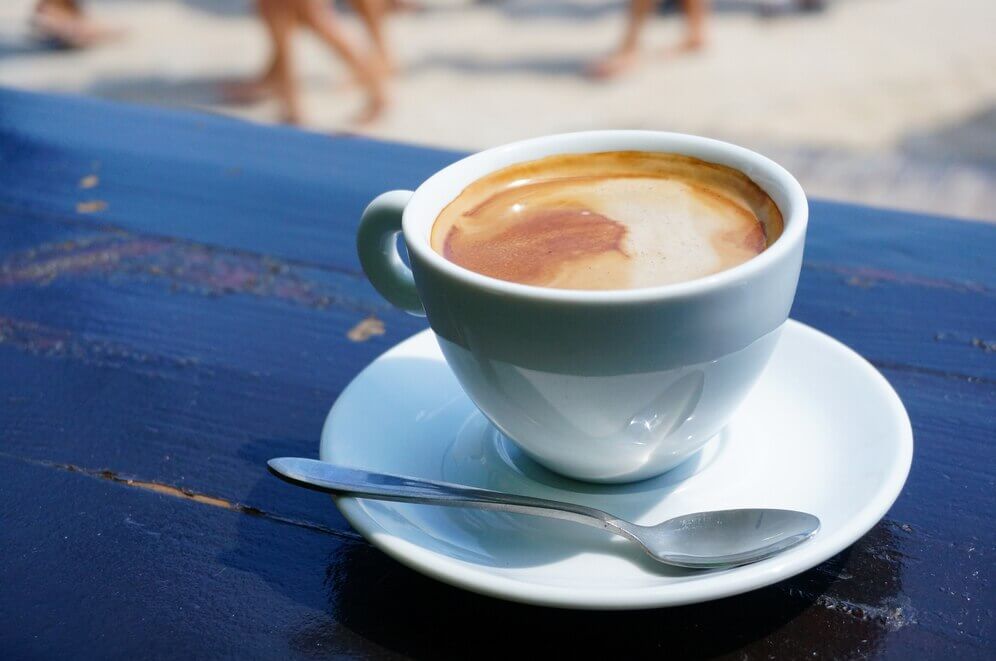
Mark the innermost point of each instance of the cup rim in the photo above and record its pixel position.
(795, 214)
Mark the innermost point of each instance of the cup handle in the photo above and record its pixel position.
(377, 245)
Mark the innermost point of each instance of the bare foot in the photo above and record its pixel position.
(691, 44)
(376, 98)
(255, 89)
(69, 28)
(268, 85)
(372, 111)
(613, 65)
(289, 99)
(375, 66)
(688, 46)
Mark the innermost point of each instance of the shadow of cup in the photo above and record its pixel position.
(383, 604)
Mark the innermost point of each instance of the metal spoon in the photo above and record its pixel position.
(703, 540)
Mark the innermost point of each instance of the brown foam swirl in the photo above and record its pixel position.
(610, 220)
(534, 250)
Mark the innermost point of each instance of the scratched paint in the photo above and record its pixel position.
(986, 346)
(366, 329)
(41, 340)
(193, 267)
(868, 277)
(91, 206)
(185, 494)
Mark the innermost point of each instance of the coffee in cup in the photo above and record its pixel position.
(608, 220)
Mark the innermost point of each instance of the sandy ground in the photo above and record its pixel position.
(889, 102)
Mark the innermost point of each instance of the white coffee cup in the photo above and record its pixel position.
(605, 386)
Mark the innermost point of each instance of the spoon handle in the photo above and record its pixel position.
(322, 476)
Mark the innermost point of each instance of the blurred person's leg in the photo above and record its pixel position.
(64, 22)
(317, 15)
(627, 55)
(265, 84)
(280, 18)
(696, 13)
(372, 13)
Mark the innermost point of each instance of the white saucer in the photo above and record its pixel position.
(822, 432)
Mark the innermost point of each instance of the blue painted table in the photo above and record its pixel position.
(177, 293)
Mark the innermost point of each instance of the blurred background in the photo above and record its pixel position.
(885, 102)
